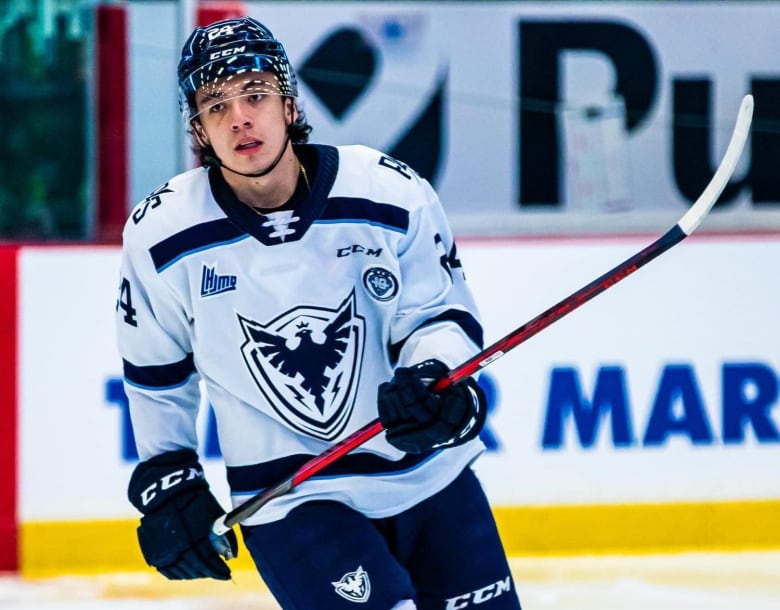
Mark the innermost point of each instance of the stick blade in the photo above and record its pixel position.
(693, 217)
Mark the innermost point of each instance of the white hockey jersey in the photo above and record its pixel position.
(292, 319)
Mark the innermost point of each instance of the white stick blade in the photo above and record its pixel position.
(720, 179)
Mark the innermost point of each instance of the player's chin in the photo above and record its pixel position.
(246, 165)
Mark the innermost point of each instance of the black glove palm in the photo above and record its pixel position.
(179, 511)
(418, 420)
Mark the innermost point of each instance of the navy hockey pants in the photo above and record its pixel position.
(445, 553)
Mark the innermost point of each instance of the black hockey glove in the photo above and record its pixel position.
(418, 420)
(179, 510)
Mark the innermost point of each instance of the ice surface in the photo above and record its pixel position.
(689, 581)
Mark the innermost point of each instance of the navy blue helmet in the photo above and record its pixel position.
(230, 48)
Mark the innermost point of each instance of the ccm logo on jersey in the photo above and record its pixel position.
(168, 481)
(355, 249)
(480, 596)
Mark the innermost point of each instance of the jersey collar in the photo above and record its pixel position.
(289, 223)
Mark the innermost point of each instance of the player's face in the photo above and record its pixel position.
(244, 118)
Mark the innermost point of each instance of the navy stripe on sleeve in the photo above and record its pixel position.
(194, 239)
(346, 209)
(159, 376)
(256, 477)
(467, 322)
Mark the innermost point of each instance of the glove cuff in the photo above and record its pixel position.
(430, 370)
(473, 427)
(161, 478)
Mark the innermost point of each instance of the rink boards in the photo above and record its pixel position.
(646, 420)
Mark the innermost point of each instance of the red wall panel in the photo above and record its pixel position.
(111, 67)
(9, 554)
(209, 11)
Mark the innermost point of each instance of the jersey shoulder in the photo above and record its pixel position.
(181, 202)
(372, 174)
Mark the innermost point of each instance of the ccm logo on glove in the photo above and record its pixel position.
(164, 476)
(169, 481)
(178, 511)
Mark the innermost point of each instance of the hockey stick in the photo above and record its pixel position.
(684, 227)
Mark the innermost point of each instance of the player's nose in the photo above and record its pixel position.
(239, 117)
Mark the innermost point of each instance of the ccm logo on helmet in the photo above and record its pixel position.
(169, 480)
(227, 52)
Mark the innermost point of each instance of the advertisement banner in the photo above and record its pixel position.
(530, 117)
(647, 419)
(663, 389)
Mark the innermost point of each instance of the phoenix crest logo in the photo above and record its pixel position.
(354, 586)
(307, 364)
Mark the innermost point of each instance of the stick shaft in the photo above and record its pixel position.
(684, 227)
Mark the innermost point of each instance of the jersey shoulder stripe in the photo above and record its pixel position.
(351, 209)
(194, 239)
(374, 175)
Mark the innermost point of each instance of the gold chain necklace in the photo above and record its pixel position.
(302, 169)
(304, 174)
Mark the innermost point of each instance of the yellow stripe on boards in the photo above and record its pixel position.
(88, 547)
(639, 528)
(53, 548)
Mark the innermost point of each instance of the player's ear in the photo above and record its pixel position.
(200, 133)
(290, 110)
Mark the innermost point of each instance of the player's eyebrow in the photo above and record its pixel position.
(205, 97)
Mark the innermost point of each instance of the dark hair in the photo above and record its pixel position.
(300, 128)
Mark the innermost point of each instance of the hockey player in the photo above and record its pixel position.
(308, 288)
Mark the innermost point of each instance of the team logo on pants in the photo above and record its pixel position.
(354, 586)
(307, 363)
